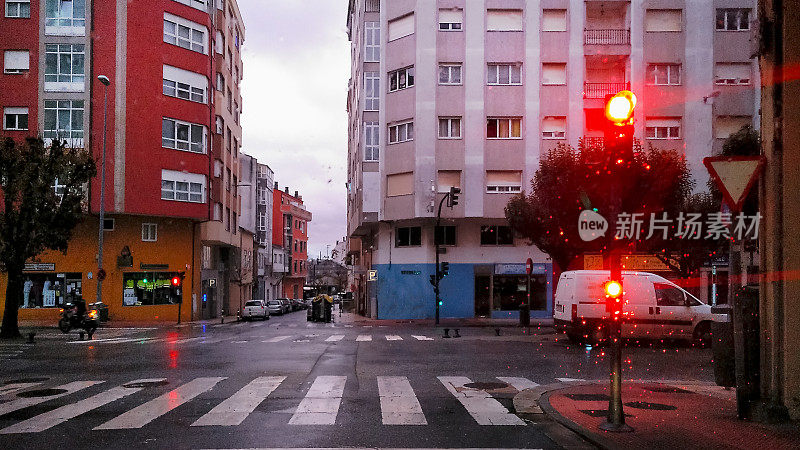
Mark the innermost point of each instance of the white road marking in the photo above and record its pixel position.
(147, 412)
(119, 340)
(399, 404)
(392, 337)
(480, 405)
(25, 402)
(335, 338)
(11, 388)
(60, 415)
(422, 338)
(519, 383)
(277, 339)
(181, 341)
(364, 338)
(238, 342)
(567, 380)
(321, 403)
(237, 407)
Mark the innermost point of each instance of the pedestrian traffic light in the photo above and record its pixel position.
(445, 269)
(452, 197)
(613, 291)
(618, 129)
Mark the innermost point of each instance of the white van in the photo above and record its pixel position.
(654, 307)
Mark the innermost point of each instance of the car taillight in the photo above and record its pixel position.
(61, 310)
(93, 314)
(574, 312)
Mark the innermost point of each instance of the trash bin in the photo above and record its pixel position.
(722, 346)
(328, 309)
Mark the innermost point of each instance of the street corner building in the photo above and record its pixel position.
(171, 201)
(470, 95)
(290, 220)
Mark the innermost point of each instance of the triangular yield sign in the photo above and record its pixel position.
(734, 175)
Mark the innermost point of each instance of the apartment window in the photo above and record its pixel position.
(504, 74)
(108, 224)
(401, 132)
(65, 13)
(496, 235)
(663, 128)
(372, 83)
(444, 235)
(730, 19)
(197, 4)
(184, 33)
(372, 42)
(725, 126)
(64, 67)
(219, 43)
(220, 124)
(230, 62)
(659, 20)
(503, 181)
(401, 27)
(400, 184)
(447, 179)
(554, 20)
(182, 186)
(218, 212)
(220, 83)
(227, 219)
(664, 74)
(228, 179)
(449, 73)
(401, 79)
(408, 237)
(503, 128)
(371, 141)
(449, 128)
(17, 61)
(732, 73)
(554, 127)
(63, 120)
(504, 20)
(228, 129)
(554, 73)
(230, 101)
(235, 185)
(233, 222)
(15, 118)
(236, 111)
(450, 19)
(149, 232)
(372, 6)
(18, 8)
(184, 84)
(182, 135)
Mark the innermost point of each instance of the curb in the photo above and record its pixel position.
(594, 438)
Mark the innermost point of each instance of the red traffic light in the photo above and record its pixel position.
(613, 289)
(619, 108)
(176, 281)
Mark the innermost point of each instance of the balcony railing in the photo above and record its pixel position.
(600, 90)
(607, 37)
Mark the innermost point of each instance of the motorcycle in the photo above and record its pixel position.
(70, 318)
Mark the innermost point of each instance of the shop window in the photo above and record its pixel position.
(509, 292)
(50, 290)
(150, 288)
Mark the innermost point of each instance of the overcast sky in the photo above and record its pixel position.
(296, 68)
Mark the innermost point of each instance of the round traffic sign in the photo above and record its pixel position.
(101, 274)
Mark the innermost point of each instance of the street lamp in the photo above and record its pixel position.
(100, 272)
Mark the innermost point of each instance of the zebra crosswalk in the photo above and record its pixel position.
(320, 404)
(207, 339)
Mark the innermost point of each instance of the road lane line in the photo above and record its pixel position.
(364, 338)
(147, 412)
(60, 415)
(335, 338)
(237, 407)
(519, 383)
(24, 402)
(480, 405)
(392, 337)
(277, 339)
(399, 404)
(422, 338)
(321, 403)
(567, 380)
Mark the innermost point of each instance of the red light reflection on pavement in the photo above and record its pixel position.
(173, 360)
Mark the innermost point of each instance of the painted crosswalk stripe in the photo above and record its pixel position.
(25, 402)
(399, 404)
(422, 338)
(392, 337)
(237, 407)
(519, 383)
(335, 338)
(567, 380)
(181, 341)
(321, 403)
(277, 339)
(479, 404)
(364, 338)
(11, 388)
(60, 415)
(147, 412)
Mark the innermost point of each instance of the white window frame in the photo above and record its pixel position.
(679, 11)
(202, 5)
(738, 22)
(406, 74)
(191, 41)
(18, 4)
(496, 78)
(396, 21)
(663, 132)
(554, 134)
(405, 129)
(149, 232)
(189, 144)
(498, 188)
(672, 79)
(505, 26)
(450, 69)
(734, 81)
(16, 112)
(545, 25)
(183, 84)
(450, 25)
(9, 63)
(497, 125)
(65, 22)
(450, 122)
(372, 42)
(372, 141)
(73, 136)
(65, 82)
(549, 83)
(372, 91)
(174, 183)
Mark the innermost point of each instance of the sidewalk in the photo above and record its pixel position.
(664, 416)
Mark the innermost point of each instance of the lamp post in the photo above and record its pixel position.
(100, 273)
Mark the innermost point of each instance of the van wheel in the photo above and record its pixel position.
(573, 337)
(702, 334)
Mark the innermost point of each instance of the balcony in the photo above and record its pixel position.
(607, 37)
(600, 90)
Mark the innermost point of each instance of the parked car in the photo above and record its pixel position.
(295, 304)
(275, 307)
(287, 305)
(654, 307)
(255, 308)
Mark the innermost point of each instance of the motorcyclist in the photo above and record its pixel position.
(80, 309)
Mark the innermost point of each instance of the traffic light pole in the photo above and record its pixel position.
(438, 275)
